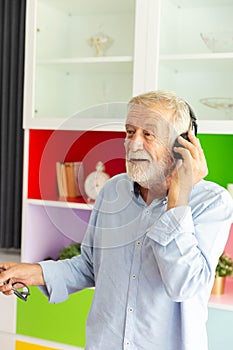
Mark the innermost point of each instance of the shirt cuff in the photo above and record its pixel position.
(55, 289)
(171, 224)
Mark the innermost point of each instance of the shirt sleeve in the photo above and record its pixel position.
(187, 242)
(67, 276)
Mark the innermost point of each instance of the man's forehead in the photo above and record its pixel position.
(142, 116)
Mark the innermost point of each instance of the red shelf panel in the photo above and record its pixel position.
(46, 147)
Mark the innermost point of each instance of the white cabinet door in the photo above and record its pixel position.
(196, 58)
(82, 54)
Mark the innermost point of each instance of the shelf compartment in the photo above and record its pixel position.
(50, 146)
(57, 228)
(64, 89)
(177, 31)
(182, 75)
(67, 27)
(62, 85)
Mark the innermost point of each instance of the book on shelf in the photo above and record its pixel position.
(70, 177)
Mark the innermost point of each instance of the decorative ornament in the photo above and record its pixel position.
(101, 43)
(95, 181)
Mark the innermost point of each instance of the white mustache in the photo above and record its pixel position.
(138, 155)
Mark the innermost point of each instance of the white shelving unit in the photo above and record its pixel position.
(156, 44)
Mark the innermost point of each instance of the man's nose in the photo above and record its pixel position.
(137, 142)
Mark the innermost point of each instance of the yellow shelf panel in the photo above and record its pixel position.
(19, 345)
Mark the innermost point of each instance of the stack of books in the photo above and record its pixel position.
(70, 178)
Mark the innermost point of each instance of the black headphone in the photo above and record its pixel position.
(185, 134)
(193, 119)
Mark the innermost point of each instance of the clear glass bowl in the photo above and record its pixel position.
(218, 42)
(225, 103)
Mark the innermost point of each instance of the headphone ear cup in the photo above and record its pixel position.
(193, 119)
(194, 127)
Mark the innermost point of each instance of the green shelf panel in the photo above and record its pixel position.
(63, 323)
(218, 149)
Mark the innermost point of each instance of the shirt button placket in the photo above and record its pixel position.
(132, 296)
(127, 344)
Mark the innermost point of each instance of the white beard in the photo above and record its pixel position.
(147, 173)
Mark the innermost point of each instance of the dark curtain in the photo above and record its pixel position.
(12, 30)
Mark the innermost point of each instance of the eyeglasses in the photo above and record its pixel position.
(20, 289)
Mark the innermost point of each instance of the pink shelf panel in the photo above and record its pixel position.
(224, 301)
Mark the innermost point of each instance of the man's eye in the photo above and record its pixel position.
(148, 134)
(129, 132)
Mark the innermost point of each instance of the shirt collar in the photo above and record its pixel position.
(136, 190)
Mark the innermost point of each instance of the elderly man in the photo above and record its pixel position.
(153, 240)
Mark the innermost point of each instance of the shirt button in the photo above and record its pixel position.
(130, 309)
(139, 243)
(134, 276)
(127, 343)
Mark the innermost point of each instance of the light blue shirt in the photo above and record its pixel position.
(152, 269)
